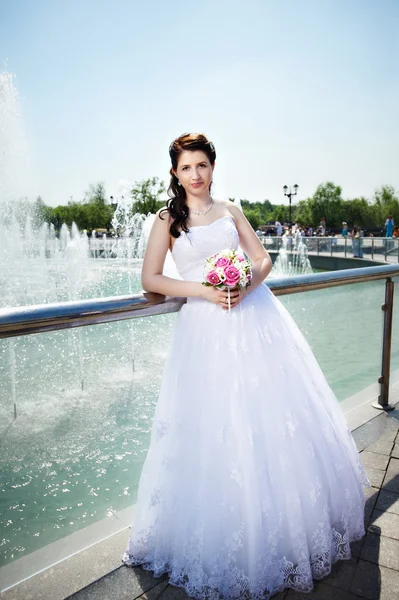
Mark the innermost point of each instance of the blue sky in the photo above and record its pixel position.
(288, 91)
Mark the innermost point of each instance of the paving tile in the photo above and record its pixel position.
(389, 435)
(68, 576)
(375, 476)
(356, 548)
(385, 523)
(381, 550)
(381, 447)
(172, 592)
(371, 494)
(375, 582)
(342, 573)
(393, 432)
(155, 592)
(321, 591)
(375, 460)
(393, 466)
(175, 593)
(391, 482)
(371, 431)
(395, 451)
(123, 584)
(388, 501)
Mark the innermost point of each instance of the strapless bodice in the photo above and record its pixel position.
(191, 249)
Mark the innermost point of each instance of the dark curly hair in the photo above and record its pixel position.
(176, 205)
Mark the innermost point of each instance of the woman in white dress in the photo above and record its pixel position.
(252, 483)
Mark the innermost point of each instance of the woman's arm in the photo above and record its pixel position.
(250, 243)
(152, 279)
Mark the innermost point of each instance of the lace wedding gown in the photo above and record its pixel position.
(252, 482)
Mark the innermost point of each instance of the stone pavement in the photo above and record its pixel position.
(372, 572)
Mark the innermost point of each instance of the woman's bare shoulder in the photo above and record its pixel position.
(223, 206)
(229, 207)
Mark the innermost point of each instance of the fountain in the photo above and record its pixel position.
(75, 405)
(292, 257)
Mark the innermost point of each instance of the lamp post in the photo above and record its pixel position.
(285, 188)
(113, 202)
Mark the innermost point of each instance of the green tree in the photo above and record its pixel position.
(326, 202)
(40, 212)
(147, 195)
(282, 213)
(303, 213)
(357, 211)
(96, 194)
(253, 217)
(385, 203)
(94, 212)
(60, 215)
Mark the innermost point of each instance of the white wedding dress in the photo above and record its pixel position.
(252, 482)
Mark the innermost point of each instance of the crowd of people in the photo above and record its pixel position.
(355, 233)
(280, 229)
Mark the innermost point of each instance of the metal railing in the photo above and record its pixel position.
(379, 248)
(384, 249)
(65, 315)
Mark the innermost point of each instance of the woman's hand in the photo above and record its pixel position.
(220, 297)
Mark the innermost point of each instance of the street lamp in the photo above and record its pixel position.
(285, 188)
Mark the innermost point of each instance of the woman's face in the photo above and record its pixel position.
(194, 171)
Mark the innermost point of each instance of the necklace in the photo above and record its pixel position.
(202, 212)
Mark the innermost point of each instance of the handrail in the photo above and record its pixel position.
(65, 315)
(381, 249)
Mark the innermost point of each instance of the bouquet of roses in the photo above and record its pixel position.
(226, 270)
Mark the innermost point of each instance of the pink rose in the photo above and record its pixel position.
(240, 257)
(232, 276)
(213, 278)
(223, 262)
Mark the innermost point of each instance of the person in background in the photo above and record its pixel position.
(323, 226)
(389, 226)
(344, 229)
(279, 228)
(357, 244)
(396, 232)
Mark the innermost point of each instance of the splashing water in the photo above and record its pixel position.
(292, 258)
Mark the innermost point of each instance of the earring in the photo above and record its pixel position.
(178, 183)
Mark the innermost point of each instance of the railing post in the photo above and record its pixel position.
(345, 246)
(398, 248)
(318, 251)
(372, 248)
(385, 250)
(387, 307)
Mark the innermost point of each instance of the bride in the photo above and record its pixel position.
(252, 483)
